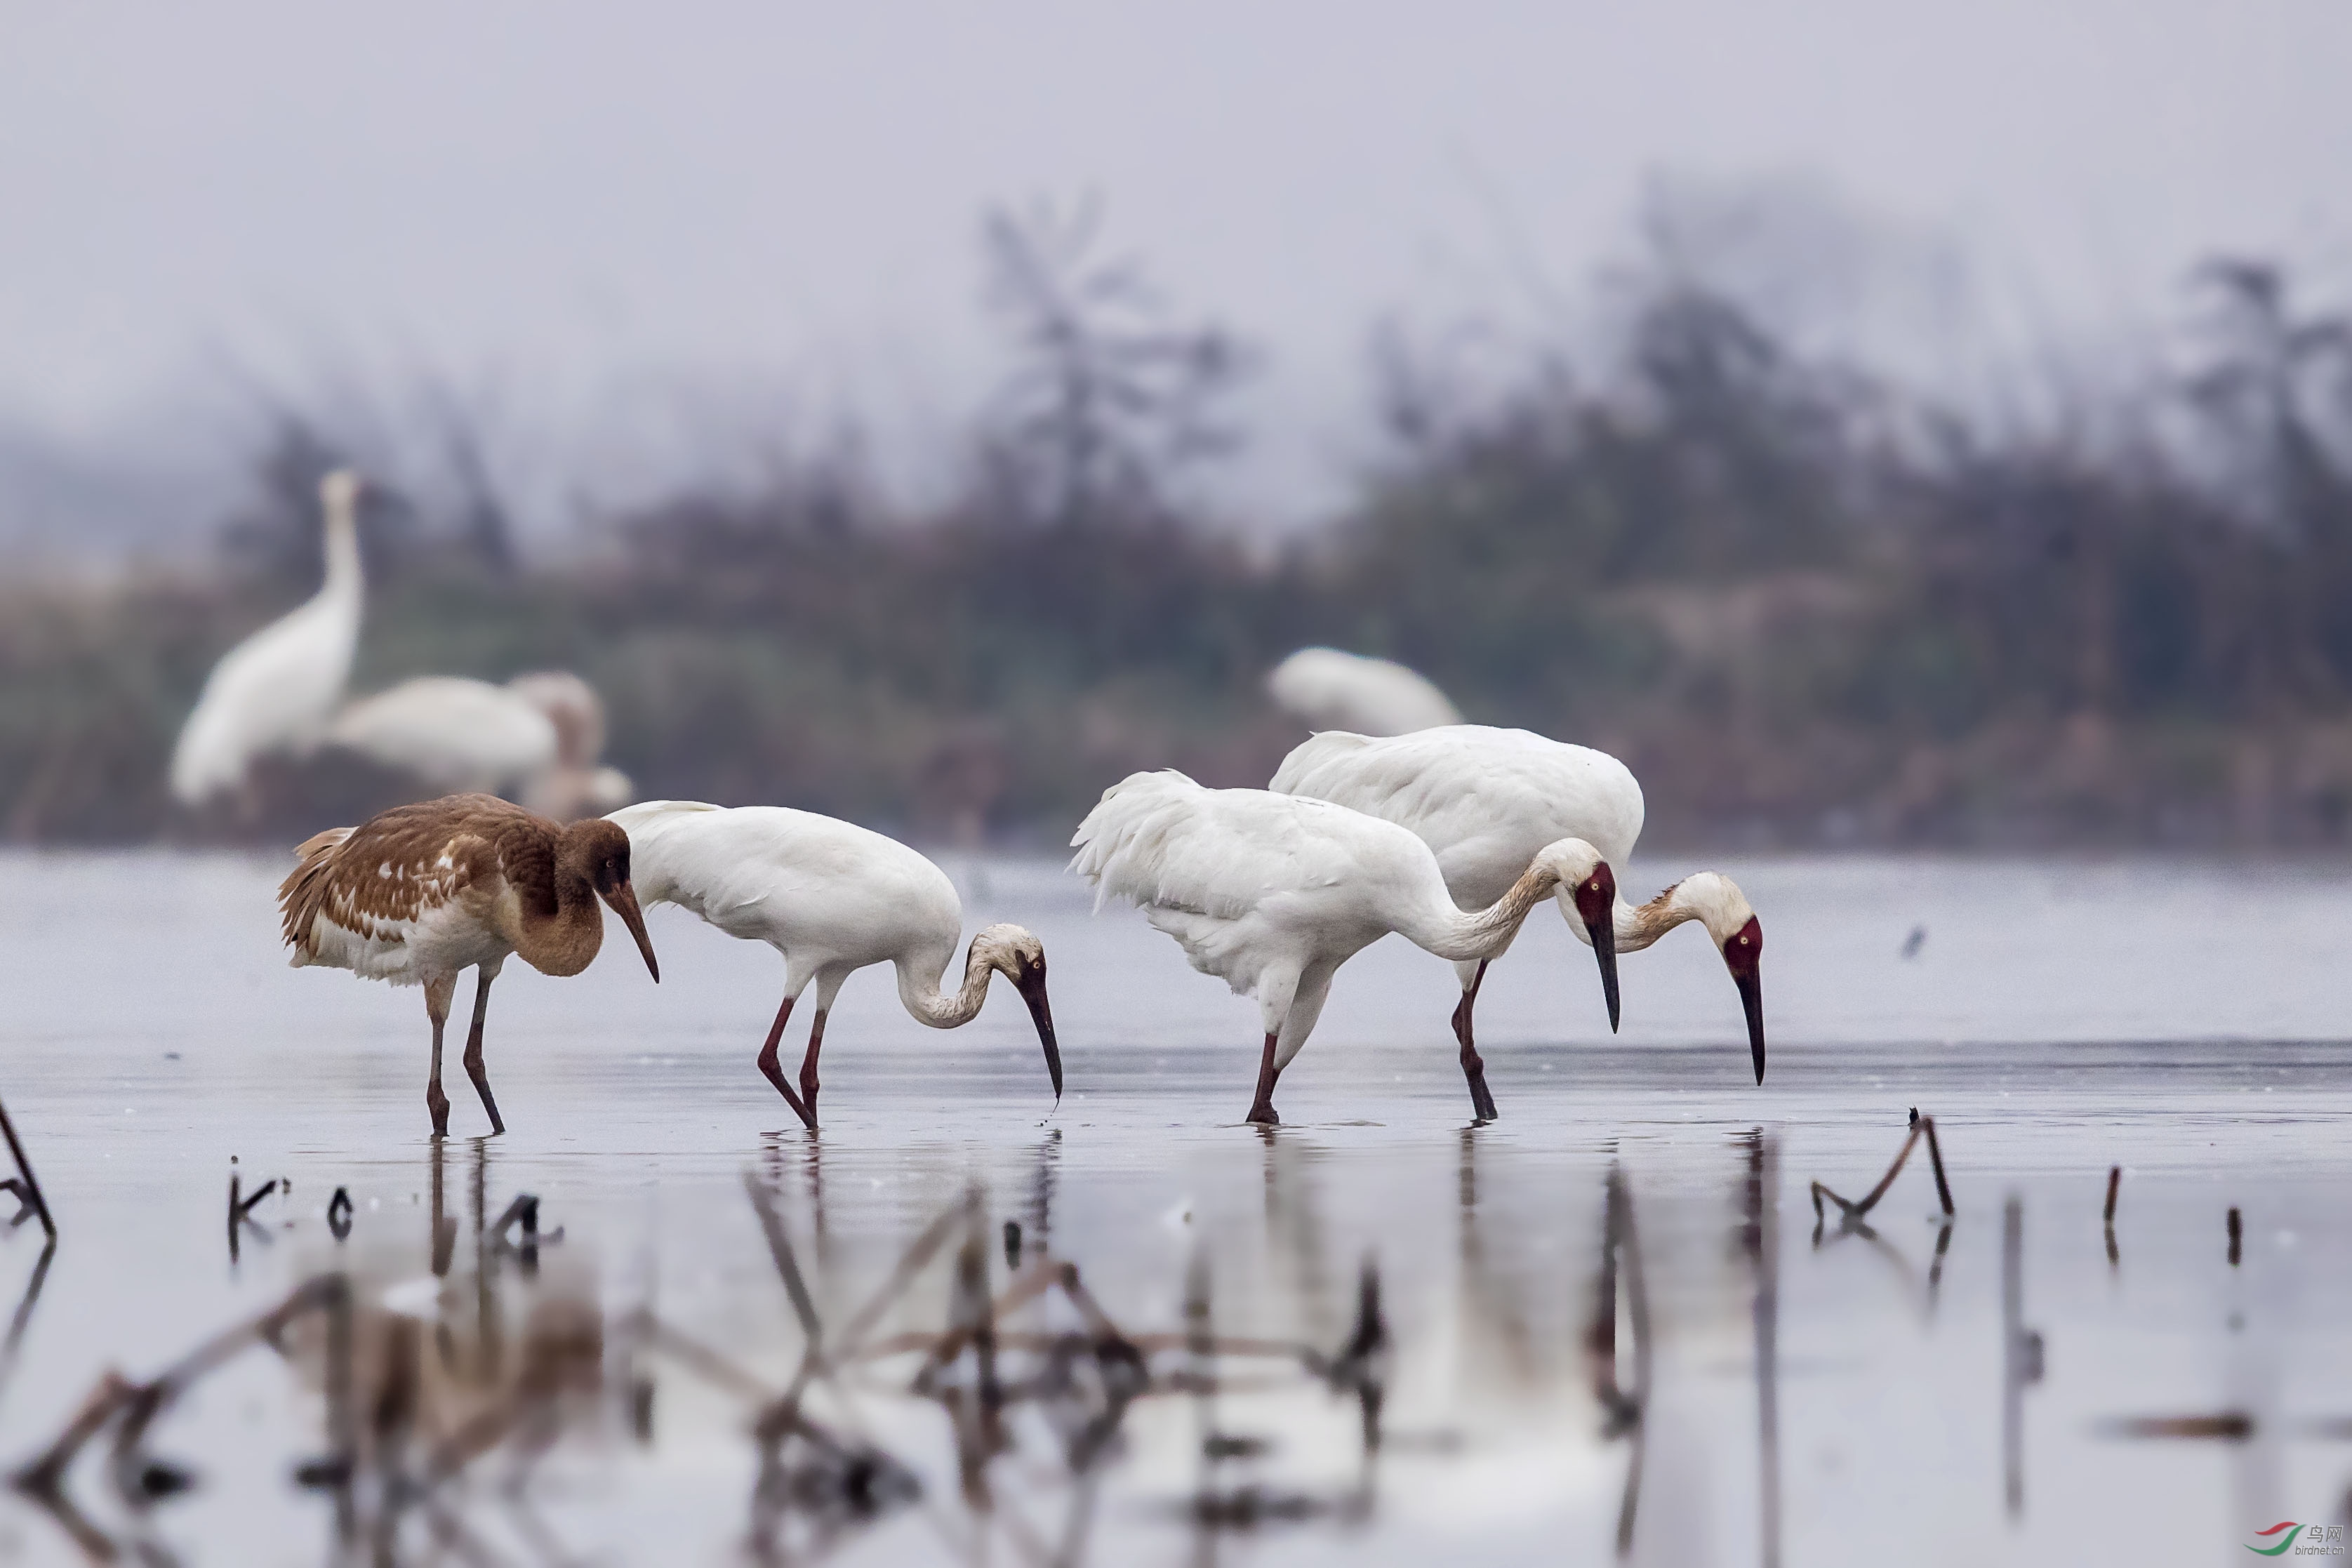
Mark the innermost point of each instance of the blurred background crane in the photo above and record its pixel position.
(960, 474)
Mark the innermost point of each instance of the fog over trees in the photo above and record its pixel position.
(1808, 601)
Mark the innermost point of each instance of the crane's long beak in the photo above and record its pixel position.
(1604, 933)
(1595, 898)
(1751, 1001)
(1744, 957)
(624, 900)
(1040, 1012)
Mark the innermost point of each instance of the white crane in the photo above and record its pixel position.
(578, 784)
(832, 898)
(451, 733)
(1271, 893)
(274, 691)
(538, 735)
(1482, 799)
(1324, 688)
(419, 894)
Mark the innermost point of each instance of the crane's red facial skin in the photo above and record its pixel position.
(1595, 898)
(1743, 954)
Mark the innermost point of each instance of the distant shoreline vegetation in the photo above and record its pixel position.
(1808, 609)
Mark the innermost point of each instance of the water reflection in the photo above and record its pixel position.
(989, 1360)
(1623, 1397)
(1759, 1233)
(2022, 1354)
(1497, 1348)
(393, 1428)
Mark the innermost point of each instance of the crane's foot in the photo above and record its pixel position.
(1262, 1108)
(806, 1112)
(1482, 1102)
(774, 1073)
(438, 1104)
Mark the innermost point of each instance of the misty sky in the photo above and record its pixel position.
(568, 202)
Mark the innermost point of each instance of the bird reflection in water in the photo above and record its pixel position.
(399, 1428)
(1621, 1289)
(1498, 1351)
(449, 1377)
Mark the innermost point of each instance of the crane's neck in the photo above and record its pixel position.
(343, 579)
(942, 1009)
(1455, 933)
(1638, 925)
(559, 929)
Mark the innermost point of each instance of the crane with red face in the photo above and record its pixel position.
(1272, 893)
(1485, 799)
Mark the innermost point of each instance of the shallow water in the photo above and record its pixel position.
(2180, 1020)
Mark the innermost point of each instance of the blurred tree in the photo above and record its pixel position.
(481, 521)
(2276, 384)
(1108, 402)
(2277, 392)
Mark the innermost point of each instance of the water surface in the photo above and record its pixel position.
(2182, 1020)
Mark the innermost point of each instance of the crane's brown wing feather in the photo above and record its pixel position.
(403, 863)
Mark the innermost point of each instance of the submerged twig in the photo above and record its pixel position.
(523, 1213)
(1850, 1212)
(24, 1184)
(2226, 1425)
(24, 1313)
(43, 1480)
(240, 1211)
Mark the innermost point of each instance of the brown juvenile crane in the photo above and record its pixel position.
(418, 893)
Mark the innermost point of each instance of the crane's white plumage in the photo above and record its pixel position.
(1271, 893)
(454, 734)
(1325, 688)
(538, 735)
(832, 898)
(1483, 799)
(274, 691)
(577, 784)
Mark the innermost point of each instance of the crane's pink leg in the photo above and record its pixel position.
(1474, 1067)
(436, 1007)
(1262, 1108)
(775, 1070)
(808, 1066)
(474, 1050)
